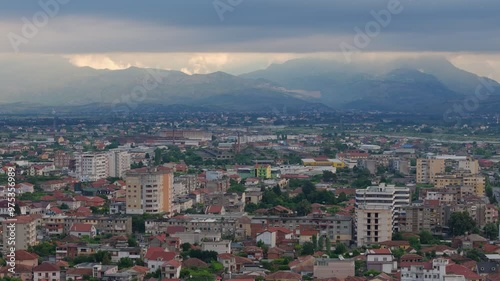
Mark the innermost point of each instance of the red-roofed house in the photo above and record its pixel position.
(23, 272)
(283, 276)
(26, 258)
(464, 271)
(46, 272)
(172, 269)
(155, 258)
(215, 210)
(83, 229)
(228, 261)
(380, 260)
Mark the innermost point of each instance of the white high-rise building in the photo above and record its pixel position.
(91, 166)
(119, 162)
(379, 199)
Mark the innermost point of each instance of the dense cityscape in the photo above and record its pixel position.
(250, 196)
(250, 140)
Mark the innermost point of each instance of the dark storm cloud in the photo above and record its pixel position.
(255, 26)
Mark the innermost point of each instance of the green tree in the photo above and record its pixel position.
(342, 197)
(328, 176)
(328, 245)
(474, 254)
(250, 207)
(426, 237)
(103, 257)
(460, 223)
(490, 230)
(321, 243)
(43, 249)
(125, 263)
(185, 247)
(371, 272)
(304, 208)
(315, 241)
(307, 249)
(340, 248)
(397, 236)
(415, 243)
(132, 242)
(398, 253)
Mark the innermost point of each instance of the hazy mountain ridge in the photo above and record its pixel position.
(424, 85)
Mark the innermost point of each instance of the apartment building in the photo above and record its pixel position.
(236, 224)
(374, 224)
(115, 225)
(25, 232)
(433, 215)
(447, 194)
(91, 166)
(119, 162)
(424, 215)
(476, 181)
(337, 228)
(385, 195)
(185, 184)
(427, 169)
(62, 159)
(149, 190)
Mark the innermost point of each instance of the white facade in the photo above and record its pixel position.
(436, 272)
(91, 166)
(268, 238)
(221, 247)
(119, 162)
(385, 195)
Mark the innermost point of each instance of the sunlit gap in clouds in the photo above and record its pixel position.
(487, 65)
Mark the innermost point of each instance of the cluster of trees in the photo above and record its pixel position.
(174, 154)
(139, 222)
(202, 274)
(301, 203)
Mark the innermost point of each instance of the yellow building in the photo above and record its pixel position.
(149, 190)
(476, 181)
(427, 169)
(441, 181)
(263, 171)
(323, 162)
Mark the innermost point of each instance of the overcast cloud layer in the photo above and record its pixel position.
(90, 32)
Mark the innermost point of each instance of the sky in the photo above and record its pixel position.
(237, 36)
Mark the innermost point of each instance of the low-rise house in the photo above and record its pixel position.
(83, 229)
(380, 260)
(393, 245)
(254, 253)
(171, 269)
(46, 272)
(25, 187)
(228, 261)
(468, 241)
(156, 257)
(275, 253)
(327, 268)
(222, 246)
(283, 276)
(23, 272)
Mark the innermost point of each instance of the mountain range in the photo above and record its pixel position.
(424, 85)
